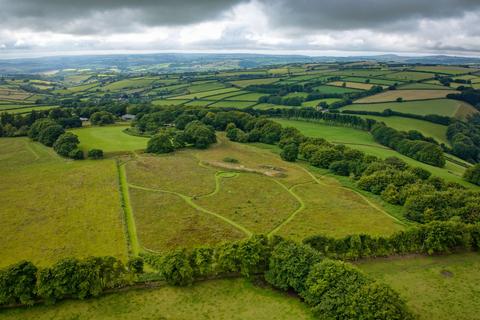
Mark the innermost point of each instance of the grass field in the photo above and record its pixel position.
(314, 103)
(205, 94)
(207, 200)
(371, 80)
(169, 102)
(233, 104)
(354, 85)
(109, 139)
(362, 140)
(408, 75)
(453, 70)
(216, 299)
(29, 109)
(63, 208)
(334, 89)
(392, 95)
(246, 83)
(438, 287)
(428, 129)
(443, 107)
(165, 222)
(129, 83)
(422, 86)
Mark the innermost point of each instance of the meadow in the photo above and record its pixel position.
(428, 129)
(215, 299)
(109, 139)
(436, 287)
(363, 141)
(443, 107)
(207, 200)
(64, 208)
(393, 95)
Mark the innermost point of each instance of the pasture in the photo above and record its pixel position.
(363, 141)
(109, 139)
(334, 89)
(408, 76)
(436, 287)
(428, 129)
(443, 107)
(422, 86)
(207, 200)
(215, 299)
(354, 85)
(406, 95)
(63, 208)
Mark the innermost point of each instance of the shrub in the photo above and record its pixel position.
(176, 269)
(76, 154)
(65, 144)
(289, 152)
(50, 134)
(102, 118)
(95, 154)
(472, 174)
(290, 264)
(17, 283)
(160, 143)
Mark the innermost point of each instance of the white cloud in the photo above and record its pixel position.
(252, 26)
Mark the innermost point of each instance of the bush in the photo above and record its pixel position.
(17, 283)
(289, 152)
(472, 174)
(95, 154)
(290, 264)
(38, 126)
(65, 144)
(160, 143)
(50, 134)
(176, 269)
(76, 154)
(102, 118)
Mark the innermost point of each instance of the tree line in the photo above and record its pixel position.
(25, 283)
(333, 289)
(434, 118)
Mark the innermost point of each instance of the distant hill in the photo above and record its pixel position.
(189, 62)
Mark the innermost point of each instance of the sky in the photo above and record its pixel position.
(313, 27)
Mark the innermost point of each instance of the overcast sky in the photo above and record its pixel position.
(316, 27)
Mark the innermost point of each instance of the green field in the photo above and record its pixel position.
(30, 109)
(63, 208)
(109, 139)
(205, 200)
(443, 107)
(393, 95)
(409, 75)
(362, 140)
(216, 299)
(314, 103)
(438, 287)
(428, 129)
(333, 89)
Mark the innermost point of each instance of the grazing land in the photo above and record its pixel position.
(363, 141)
(45, 220)
(216, 299)
(428, 129)
(406, 95)
(443, 107)
(109, 139)
(216, 201)
(438, 287)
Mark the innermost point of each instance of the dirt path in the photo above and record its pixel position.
(189, 200)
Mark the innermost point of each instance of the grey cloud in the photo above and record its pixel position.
(95, 16)
(363, 14)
